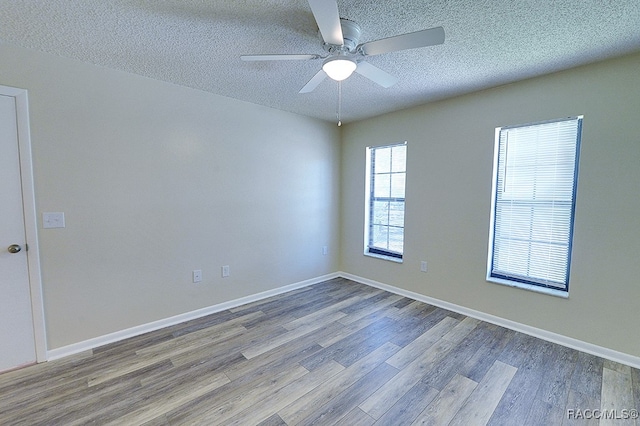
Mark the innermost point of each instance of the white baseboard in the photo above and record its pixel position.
(570, 342)
(177, 319)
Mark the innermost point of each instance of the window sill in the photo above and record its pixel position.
(383, 257)
(551, 292)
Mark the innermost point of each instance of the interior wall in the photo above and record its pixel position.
(157, 180)
(449, 172)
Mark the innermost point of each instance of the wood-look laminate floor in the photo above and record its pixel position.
(333, 353)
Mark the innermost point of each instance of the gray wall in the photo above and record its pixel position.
(449, 171)
(157, 180)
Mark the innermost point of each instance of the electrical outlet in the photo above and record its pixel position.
(423, 266)
(325, 250)
(197, 275)
(225, 271)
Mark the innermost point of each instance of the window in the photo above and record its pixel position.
(534, 185)
(384, 229)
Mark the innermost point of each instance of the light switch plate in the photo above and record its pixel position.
(53, 220)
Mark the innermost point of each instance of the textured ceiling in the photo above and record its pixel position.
(197, 43)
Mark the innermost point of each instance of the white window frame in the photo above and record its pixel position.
(369, 249)
(500, 271)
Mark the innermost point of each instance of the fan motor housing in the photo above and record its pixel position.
(350, 34)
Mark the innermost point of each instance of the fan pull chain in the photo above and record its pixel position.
(339, 102)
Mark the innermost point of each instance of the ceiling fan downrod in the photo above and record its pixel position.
(339, 112)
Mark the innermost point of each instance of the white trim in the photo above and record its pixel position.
(569, 342)
(580, 345)
(30, 218)
(535, 288)
(383, 257)
(177, 319)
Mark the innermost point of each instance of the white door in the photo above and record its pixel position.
(17, 337)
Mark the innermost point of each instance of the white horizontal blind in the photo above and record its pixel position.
(386, 200)
(534, 202)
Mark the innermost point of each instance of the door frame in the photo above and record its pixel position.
(30, 218)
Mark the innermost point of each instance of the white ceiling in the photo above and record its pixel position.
(197, 43)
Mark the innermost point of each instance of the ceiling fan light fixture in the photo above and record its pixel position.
(339, 68)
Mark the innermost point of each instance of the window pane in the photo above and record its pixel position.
(511, 256)
(542, 265)
(396, 214)
(380, 213)
(396, 239)
(550, 224)
(514, 221)
(397, 185)
(382, 186)
(399, 158)
(382, 160)
(380, 236)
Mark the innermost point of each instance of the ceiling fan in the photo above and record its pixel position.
(344, 53)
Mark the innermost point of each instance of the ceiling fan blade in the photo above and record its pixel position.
(278, 57)
(328, 20)
(375, 74)
(314, 82)
(422, 38)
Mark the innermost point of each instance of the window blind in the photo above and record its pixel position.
(534, 202)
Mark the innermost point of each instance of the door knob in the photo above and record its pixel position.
(14, 248)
